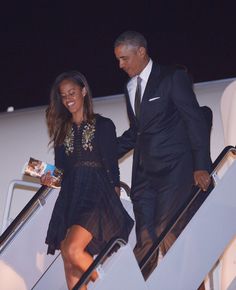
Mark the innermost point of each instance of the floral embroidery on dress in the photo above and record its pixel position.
(69, 142)
(88, 135)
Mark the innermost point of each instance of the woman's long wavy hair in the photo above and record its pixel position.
(59, 119)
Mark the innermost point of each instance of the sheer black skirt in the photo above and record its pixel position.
(88, 199)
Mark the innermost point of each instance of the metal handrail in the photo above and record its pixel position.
(39, 199)
(11, 187)
(217, 163)
(31, 206)
(23, 216)
(125, 187)
(99, 260)
(105, 252)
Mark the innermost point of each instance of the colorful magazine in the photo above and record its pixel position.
(37, 168)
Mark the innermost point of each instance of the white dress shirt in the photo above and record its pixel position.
(132, 84)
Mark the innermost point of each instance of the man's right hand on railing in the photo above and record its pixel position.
(202, 179)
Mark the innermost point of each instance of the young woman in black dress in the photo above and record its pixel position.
(88, 211)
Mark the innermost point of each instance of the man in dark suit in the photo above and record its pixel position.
(168, 134)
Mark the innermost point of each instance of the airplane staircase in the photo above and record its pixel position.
(25, 265)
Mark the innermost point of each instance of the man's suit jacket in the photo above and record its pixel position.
(171, 123)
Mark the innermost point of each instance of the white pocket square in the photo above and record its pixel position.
(153, 99)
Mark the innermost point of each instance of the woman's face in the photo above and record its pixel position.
(72, 96)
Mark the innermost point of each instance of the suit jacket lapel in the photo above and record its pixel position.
(130, 111)
(151, 86)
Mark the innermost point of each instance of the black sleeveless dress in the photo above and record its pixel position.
(87, 196)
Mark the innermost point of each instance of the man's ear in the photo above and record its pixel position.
(142, 51)
(84, 92)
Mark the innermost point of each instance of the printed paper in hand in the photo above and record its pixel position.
(37, 168)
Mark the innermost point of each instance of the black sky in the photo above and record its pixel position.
(41, 39)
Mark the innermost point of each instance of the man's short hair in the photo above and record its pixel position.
(131, 38)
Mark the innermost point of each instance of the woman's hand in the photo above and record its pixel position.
(46, 179)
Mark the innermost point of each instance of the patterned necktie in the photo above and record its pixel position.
(137, 100)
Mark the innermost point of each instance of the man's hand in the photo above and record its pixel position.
(202, 179)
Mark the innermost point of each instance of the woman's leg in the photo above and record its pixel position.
(76, 259)
(72, 274)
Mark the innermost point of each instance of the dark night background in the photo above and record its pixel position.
(41, 39)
